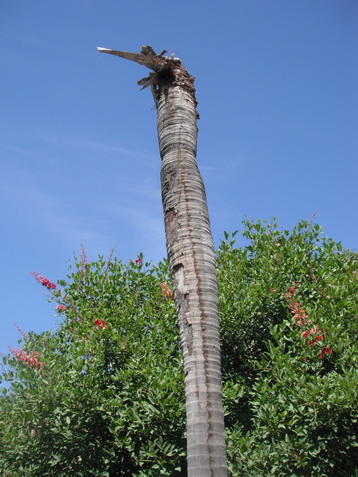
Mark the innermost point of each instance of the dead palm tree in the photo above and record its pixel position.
(191, 257)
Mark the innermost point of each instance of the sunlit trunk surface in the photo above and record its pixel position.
(191, 257)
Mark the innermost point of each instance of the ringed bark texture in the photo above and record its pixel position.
(192, 260)
(191, 257)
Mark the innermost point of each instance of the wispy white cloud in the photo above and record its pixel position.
(146, 227)
(89, 144)
(218, 169)
(222, 167)
(126, 212)
(125, 187)
(47, 213)
(25, 152)
(115, 149)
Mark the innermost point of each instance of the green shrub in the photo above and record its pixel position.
(289, 307)
(103, 394)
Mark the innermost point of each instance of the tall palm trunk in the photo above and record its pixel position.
(191, 257)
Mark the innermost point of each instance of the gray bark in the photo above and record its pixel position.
(191, 257)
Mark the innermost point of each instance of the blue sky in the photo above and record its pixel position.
(277, 91)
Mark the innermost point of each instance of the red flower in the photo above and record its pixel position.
(325, 350)
(314, 334)
(291, 290)
(60, 308)
(44, 281)
(166, 291)
(100, 324)
(315, 340)
(139, 261)
(298, 312)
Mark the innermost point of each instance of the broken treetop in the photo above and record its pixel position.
(167, 71)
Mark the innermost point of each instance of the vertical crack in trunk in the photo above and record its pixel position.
(182, 306)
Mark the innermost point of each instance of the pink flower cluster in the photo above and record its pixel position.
(167, 292)
(31, 358)
(298, 312)
(44, 281)
(60, 308)
(313, 335)
(100, 324)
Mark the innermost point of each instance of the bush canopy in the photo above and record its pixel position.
(103, 394)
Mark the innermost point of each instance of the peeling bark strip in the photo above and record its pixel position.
(191, 257)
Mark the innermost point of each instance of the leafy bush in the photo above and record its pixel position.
(109, 398)
(288, 306)
(103, 395)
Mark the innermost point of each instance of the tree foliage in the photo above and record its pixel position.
(103, 395)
